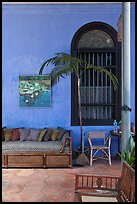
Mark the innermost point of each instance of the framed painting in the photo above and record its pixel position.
(35, 91)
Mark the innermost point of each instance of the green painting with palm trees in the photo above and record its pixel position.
(35, 91)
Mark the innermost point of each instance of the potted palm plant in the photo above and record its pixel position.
(64, 65)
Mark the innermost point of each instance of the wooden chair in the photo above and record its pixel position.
(104, 188)
(94, 149)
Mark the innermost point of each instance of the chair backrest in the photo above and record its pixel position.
(96, 134)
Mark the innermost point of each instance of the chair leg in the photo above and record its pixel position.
(109, 157)
(91, 158)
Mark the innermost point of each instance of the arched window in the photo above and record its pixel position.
(96, 42)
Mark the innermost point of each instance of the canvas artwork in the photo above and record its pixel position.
(35, 91)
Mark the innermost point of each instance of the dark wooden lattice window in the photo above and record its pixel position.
(97, 44)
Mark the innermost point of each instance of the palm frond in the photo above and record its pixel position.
(65, 60)
(60, 71)
(46, 63)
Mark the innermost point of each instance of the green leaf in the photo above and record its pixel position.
(129, 153)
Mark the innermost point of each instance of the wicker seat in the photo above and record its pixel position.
(94, 149)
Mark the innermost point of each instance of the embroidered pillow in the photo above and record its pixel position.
(54, 135)
(47, 135)
(15, 134)
(41, 135)
(24, 133)
(33, 135)
(8, 134)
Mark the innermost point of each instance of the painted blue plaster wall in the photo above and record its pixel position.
(33, 33)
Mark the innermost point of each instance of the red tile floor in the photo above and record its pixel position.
(49, 185)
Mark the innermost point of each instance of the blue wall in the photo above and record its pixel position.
(32, 34)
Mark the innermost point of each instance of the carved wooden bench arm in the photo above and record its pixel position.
(67, 142)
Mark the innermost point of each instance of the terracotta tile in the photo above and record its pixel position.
(12, 189)
(49, 185)
(31, 195)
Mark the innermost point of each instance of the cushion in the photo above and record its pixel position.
(35, 146)
(47, 135)
(90, 199)
(54, 135)
(8, 134)
(41, 135)
(61, 133)
(3, 137)
(15, 134)
(33, 135)
(24, 133)
(66, 134)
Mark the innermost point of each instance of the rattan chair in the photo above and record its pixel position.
(105, 147)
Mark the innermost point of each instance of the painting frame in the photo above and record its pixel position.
(35, 91)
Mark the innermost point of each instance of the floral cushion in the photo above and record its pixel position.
(15, 134)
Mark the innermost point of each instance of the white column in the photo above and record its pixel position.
(125, 73)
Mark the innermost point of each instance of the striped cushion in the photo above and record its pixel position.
(47, 135)
(41, 135)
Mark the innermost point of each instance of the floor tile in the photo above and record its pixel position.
(49, 185)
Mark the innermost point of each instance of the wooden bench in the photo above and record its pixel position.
(119, 189)
(39, 159)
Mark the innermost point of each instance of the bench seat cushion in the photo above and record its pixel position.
(32, 146)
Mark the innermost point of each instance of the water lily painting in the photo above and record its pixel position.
(35, 91)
